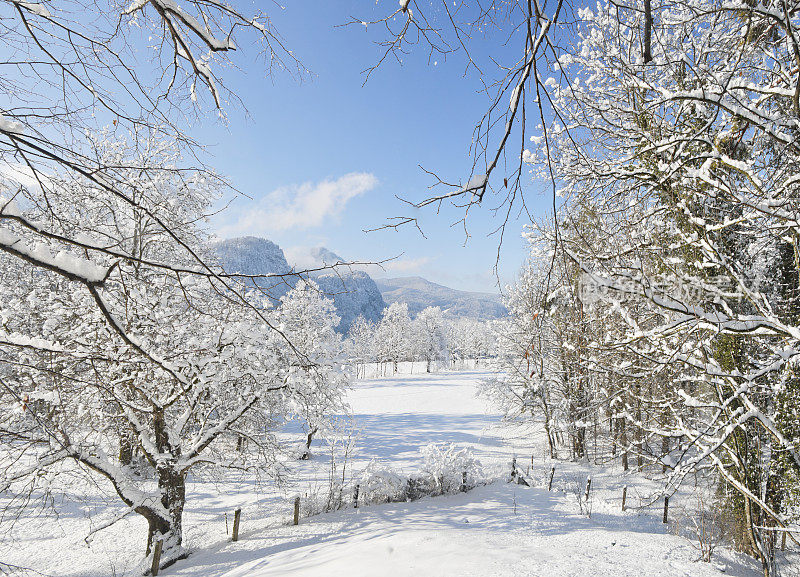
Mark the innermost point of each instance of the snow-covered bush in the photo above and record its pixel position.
(381, 485)
(441, 473)
(444, 465)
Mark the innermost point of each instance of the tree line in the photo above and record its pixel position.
(431, 337)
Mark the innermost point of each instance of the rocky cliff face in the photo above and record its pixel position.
(354, 293)
(252, 255)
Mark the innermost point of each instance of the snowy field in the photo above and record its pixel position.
(499, 529)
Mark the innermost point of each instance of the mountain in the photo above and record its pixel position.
(353, 292)
(253, 255)
(419, 293)
(322, 255)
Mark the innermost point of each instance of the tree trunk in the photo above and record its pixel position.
(310, 437)
(580, 442)
(613, 431)
(623, 438)
(166, 525)
(647, 54)
(549, 434)
(169, 531)
(127, 448)
(639, 437)
(756, 544)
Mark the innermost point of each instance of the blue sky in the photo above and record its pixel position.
(324, 158)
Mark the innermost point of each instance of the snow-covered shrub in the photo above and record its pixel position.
(441, 473)
(444, 465)
(335, 498)
(418, 486)
(300, 452)
(324, 497)
(710, 531)
(381, 485)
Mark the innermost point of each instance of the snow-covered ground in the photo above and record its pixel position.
(499, 529)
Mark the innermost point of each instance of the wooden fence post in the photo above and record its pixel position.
(156, 558)
(355, 497)
(531, 462)
(588, 488)
(666, 508)
(237, 514)
(297, 510)
(624, 496)
(226, 524)
(513, 468)
(552, 472)
(783, 540)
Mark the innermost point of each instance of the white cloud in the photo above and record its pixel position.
(300, 257)
(304, 257)
(303, 206)
(400, 267)
(407, 265)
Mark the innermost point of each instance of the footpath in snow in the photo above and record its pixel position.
(497, 530)
(501, 529)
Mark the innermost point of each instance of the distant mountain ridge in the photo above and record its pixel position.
(419, 293)
(354, 293)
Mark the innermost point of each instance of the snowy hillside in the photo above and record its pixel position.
(420, 293)
(354, 293)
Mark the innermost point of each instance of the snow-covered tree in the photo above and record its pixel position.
(469, 339)
(673, 128)
(429, 336)
(133, 362)
(393, 337)
(123, 349)
(361, 344)
(309, 320)
(525, 384)
(693, 172)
